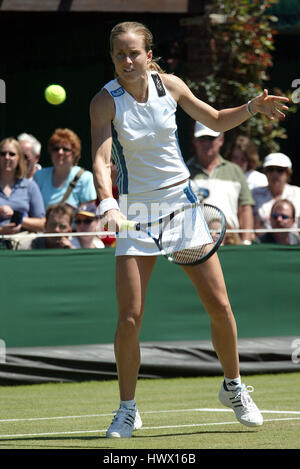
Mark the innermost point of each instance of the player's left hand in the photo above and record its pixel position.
(270, 105)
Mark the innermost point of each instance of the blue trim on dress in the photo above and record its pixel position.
(119, 159)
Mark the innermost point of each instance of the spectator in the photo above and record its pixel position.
(244, 153)
(215, 227)
(282, 217)
(232, 238)
(229, 238)
(64, 147)
(222, 182)
(87, 220)
(20, 198)
(278, 168)
(32, 151)
(59, 219)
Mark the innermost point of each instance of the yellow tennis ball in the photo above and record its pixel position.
(55, 94)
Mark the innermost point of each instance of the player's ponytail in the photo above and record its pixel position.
(153, 66)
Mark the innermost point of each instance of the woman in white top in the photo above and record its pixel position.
(152, 169)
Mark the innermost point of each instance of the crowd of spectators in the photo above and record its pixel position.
(220, 182)
(257, 199)
(249, 193)
(60, 198)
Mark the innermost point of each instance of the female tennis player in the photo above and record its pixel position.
(140, 105)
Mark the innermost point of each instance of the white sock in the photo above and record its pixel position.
(128, 404)
(232, 383)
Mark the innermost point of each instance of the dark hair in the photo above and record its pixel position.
(60, 209)
(249, 149)
(141, 30)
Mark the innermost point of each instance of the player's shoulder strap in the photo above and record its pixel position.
(158, 85)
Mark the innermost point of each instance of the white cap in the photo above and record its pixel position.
(277, 159)
(201, 130)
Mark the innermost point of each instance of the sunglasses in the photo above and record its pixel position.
(277, 169)
(10, 153)
(276, 215)
(85, 221)
(65, 149)
(210, 138)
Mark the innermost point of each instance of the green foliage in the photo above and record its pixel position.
(242, 41)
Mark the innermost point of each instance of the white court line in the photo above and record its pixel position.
(22, 435)
(204, 409)
(32, 419)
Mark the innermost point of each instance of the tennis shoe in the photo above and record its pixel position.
(242, 404)
(124, 423)
(137, 421)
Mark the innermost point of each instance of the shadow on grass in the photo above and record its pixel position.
(32, 441)
(208, 432)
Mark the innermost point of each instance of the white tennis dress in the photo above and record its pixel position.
(148, 158)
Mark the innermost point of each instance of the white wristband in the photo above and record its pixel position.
(107, 204)
(248, 108)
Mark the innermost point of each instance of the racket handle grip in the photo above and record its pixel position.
(129, 225)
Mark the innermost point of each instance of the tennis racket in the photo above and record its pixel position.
(187, 236)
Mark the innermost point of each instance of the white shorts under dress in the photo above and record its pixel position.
(147, 206)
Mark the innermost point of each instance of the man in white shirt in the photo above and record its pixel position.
(278, 168)
(221, 182)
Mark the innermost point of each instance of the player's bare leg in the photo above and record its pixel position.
(209, 282)
(210, 285)
(132, 277)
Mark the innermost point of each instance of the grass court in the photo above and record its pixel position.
(177, 414)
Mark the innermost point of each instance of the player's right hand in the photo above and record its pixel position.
(111, 220)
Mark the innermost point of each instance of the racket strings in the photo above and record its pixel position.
(186, 238)
(190, 256)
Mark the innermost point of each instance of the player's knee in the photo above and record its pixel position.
(221, 311)
(130, 322)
